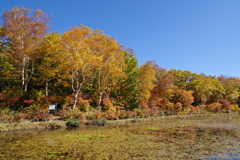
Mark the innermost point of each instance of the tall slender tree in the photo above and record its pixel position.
(110, 66)
(25, 32)
(52, 61)
(127, 92)
(82, 63)
(147, 80)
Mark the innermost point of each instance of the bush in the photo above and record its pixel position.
(143, 113)
(73, 123)
(4, 110)
(52, 125)
(70, 114)
(93, 115)
(111, 115)
(40, 117)
(98, 122)
(19, 117)
(169, 112)
(214, 107)
(6, 118)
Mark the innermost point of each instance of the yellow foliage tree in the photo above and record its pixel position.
(147, 80)
(25, 32)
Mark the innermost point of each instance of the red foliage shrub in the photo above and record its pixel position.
(10, 97)
(110, 115)
(98, 115)
(127, 114)
(145, 105)
(193, 108)
(225, 104)
(29, 101)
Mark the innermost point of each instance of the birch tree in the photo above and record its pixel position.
(52, 61)
(25, 32)
(82, 64)
(110, 66)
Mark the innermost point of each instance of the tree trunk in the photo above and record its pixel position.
(46, 88)
(23, 74)
(99, 87)
(76, 97)
(100, 98)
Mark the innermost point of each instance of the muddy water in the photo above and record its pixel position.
(199, 138)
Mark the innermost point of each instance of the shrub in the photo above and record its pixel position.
(38, 103)
(98, 115)
(72, 123)
(84, 104)
(5, 110)
(214, 107)
(52, 125)
(108, 105)
(36, 117)
(161, 113)
(143, 113)
(154, 111)
(225, 104)
(6, 118)
(110, 115)
(234, 108)
(93, 114)
(123, 114)
(178, 107)
(10, 98)
(70, 114)
(98, 122)
(36, 108)
(127, 114)
(200, 110)
(19, 117)
(169, 112)
(170, 106)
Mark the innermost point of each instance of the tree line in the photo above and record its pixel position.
(85, 69)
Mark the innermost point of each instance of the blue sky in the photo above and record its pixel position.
(202, 36)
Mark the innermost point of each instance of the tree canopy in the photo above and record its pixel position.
(85, 68)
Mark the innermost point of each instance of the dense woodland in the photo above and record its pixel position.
(89, 72)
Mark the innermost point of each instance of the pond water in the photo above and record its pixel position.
(199, 138)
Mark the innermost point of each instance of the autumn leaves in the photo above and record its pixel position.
(93, 65)
(92, 55)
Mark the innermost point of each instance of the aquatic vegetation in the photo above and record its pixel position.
(152, 128)
(198, 138)
(73, 123)
(97, 122)
(87, 136)
(181, 125)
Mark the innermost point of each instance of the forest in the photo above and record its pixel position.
(88, 74)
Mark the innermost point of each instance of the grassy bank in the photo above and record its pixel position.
(55, 123)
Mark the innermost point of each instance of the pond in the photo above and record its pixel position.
(195, 138)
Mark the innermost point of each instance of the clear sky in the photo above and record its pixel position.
(202, 36)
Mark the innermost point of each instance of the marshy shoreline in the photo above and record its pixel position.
(56, 123)
(170, 137)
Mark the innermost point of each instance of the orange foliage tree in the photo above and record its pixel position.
(25, 32)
